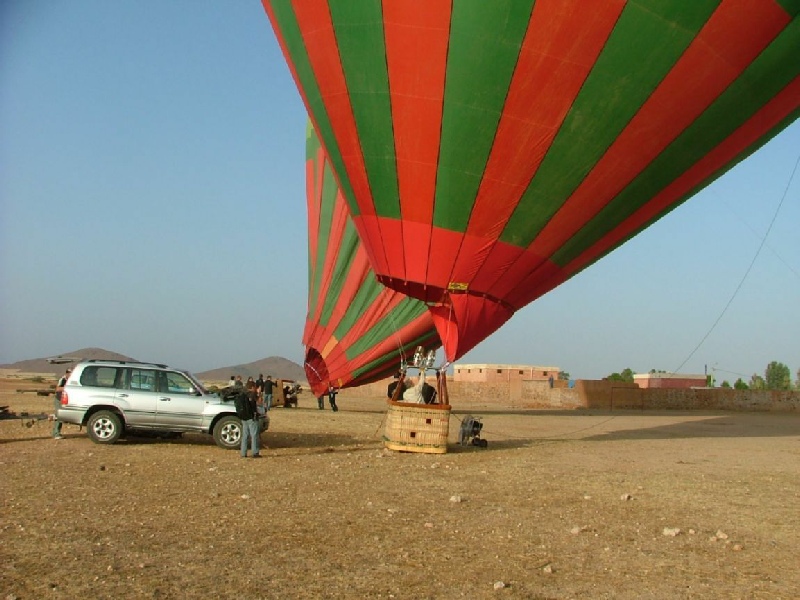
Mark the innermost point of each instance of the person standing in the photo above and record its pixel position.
(268, 386)
(390, 390)
(57, 404)
(260, 389)
(245, 404)
(332, 391)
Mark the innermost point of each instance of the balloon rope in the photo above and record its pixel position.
(749, 268)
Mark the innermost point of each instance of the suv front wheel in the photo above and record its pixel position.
(228, 432)
(104, 427)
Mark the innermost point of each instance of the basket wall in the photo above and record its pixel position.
(417, 427)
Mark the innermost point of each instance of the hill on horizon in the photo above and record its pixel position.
(40, 365)
(276, 366)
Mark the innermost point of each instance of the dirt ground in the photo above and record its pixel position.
(560, 505)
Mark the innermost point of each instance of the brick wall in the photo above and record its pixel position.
(604, 395)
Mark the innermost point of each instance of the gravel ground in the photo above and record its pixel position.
(560, 505)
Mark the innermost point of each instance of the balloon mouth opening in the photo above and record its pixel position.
(316, 371)
(439, 296)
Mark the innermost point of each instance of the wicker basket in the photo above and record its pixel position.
(417, 427)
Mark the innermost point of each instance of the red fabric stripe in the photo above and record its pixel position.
(355, 278)
(549, 75)
(749, 133)
(417, 244)
(416, 33)
(369, 231)
(511, 264)
(546, 277)
(734, 35)
(445, 245)
(467, 322)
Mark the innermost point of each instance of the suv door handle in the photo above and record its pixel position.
(123, 395)
(164, 399)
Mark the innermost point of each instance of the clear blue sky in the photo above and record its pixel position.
(152, 203)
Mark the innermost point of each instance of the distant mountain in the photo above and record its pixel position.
(277, 366)
(40, 365)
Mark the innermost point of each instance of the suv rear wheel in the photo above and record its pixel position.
(104, 427)
(228, 432)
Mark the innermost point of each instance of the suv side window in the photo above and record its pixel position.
(98, 376)
(143, 380)
(174, 383)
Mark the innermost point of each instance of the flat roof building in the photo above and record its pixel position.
(669, 380)
(493, 372)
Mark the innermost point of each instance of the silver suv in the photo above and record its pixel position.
(111, 397)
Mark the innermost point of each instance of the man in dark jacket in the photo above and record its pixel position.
(245, 403)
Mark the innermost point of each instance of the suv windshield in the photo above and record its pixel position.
(198, 386)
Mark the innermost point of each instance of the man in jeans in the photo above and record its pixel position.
(57, 404)
(268, 385)
(245, 403)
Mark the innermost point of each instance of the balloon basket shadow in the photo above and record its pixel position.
(417, 427)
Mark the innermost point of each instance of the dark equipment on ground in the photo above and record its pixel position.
(28, 420)
(286, 393)
(471, 430)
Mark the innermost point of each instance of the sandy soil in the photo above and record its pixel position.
(560, 505)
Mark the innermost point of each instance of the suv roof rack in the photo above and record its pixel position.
(126, 362)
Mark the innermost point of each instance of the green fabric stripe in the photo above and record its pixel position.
(790, 6)
(287, 22)
(485, 38)
(312, 144)
(365, 296)
(344, 260)
(405, 312)
(650, 36)
(392, 360)
(777, 65)
(359, 34)
(749, 151)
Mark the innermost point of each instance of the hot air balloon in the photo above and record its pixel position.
(357, 330)
(489, 151)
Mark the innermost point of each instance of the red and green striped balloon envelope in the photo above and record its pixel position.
(357, 330)
(490, 150)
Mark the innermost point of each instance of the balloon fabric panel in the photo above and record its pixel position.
(357, 330)
(491, 150)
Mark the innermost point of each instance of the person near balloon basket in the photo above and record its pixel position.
(269, 385)
(332, 391)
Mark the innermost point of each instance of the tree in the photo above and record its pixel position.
(757, 382)
(563, 375)
(725, 384)
(740, 385)
(626, 376)
(797, 381)
(777, 376)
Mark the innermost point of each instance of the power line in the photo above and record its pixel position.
(749, 268)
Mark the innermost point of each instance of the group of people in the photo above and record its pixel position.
(261, 389)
